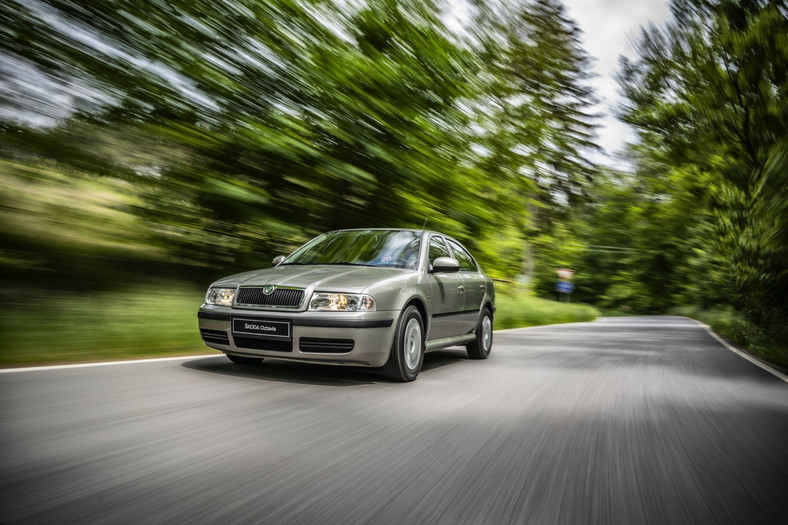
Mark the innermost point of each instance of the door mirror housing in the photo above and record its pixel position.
(278, 260)
(445, 265)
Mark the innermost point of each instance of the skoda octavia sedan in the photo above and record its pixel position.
(365, 297)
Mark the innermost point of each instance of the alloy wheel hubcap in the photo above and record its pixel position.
(486, 333)
(412, 344)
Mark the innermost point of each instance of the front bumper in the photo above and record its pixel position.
(354, 338)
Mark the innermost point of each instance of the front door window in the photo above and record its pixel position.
(447, 296)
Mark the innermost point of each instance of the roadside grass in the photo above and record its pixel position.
(733, 326)
(143, 321)
(515, 311)
(617, 312)
(46, 326)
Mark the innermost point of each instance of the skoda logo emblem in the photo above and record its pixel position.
(269, 289)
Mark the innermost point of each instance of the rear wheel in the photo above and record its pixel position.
(407, 350)
(481, 346)
(241, 360)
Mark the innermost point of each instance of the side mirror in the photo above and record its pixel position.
(278, 259)
(445, 265)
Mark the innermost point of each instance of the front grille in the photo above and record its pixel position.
(280, 297)
(317, 345)
(218, 337)
(255, 343)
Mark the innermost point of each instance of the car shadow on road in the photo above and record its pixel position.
(312, 374)
(289, 372)
(443, 357)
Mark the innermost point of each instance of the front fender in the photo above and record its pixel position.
(394, 294)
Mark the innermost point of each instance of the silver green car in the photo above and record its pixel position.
(365, 297)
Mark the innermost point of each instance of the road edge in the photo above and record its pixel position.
(751, 358)
(545, 325)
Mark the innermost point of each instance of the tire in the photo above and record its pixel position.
(407, 350)
(480, 348)
(248, 361)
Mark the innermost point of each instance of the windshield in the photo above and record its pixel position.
(388, 249)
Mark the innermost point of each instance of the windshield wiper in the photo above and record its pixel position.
(328, 264)
(347, 264)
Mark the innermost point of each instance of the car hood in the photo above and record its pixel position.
(317, 277)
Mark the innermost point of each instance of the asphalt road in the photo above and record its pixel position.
(633, 420)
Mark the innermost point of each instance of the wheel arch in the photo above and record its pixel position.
(422, 308)
(488, 304)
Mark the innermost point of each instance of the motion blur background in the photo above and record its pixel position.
(148, 148)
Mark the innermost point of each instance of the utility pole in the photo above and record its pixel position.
(527, 275)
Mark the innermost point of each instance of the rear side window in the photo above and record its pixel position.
(463, 257)
(437, 249)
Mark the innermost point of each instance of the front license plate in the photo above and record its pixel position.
(261, 327)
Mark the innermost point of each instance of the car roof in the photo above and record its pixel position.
(419, 230)
(415, 230)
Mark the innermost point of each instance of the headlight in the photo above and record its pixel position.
(220, 296)
(341, 302)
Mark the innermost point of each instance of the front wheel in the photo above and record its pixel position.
(407, 350)
(480, 347)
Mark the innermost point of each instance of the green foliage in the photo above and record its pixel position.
(242, 128)
(708, 96)
(539, 111)
(629, 245)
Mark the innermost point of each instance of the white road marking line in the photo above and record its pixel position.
(102, 363)
(648, 325)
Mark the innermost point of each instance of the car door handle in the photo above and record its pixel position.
(460, 288)
(481, 286)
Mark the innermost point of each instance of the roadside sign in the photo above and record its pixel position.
(564, 273)
(564, 287)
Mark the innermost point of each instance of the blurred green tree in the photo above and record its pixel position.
(244, 127)
(534, 125)
(707, 94)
